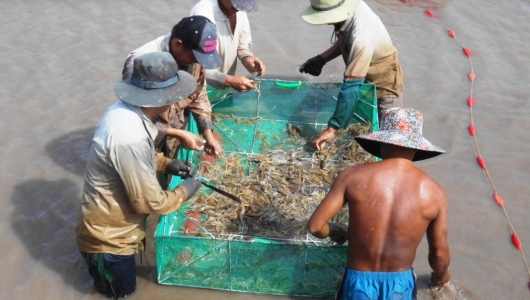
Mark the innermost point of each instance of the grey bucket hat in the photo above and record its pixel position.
(400, 127)
(156, 81)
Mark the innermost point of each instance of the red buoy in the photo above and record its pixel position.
(470, 101)
(498, 199)
(467, 52)
(405, 1)
(429, 13)
(472, 130)
(472, 77)
(516, 241)
(481, 162)
(451, 33)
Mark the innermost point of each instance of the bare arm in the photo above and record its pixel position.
(187, 139)
(254, 65)
(332, 52)
(439, 254)
(333, 202)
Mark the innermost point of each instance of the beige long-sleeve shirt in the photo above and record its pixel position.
(368, 52)
(121, 188)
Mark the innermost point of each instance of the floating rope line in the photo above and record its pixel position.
(472, 131)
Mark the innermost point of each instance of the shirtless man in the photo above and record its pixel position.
(392, 204)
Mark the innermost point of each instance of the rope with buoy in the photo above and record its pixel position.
(472, 131)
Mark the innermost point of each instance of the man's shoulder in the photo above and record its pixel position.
(122, 122)
(207, 8)
(156, 45)
(361, 170)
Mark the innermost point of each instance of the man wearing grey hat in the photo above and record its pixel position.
(193, 44)
(367, 50)
(121, 188)
(392, 205)
(234, 42)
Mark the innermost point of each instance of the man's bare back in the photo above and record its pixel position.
(392, 205)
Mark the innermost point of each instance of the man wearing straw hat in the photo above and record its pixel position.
(121, 188)
(392, 204)
(369, 55)
(234, 42)
(193, 44)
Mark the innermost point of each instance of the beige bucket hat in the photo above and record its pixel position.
(329, 11)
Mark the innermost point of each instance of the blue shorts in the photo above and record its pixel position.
(361, 285)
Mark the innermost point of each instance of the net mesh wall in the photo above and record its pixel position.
(249, 124)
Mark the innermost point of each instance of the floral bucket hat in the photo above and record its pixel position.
(400, 127)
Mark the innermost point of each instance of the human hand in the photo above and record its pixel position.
(325, 136)
(191, 185)
(212, 146)
(313, 65)
(438, 279)
(239, 83)
(191, 141)
(338, 233)
(179, 167)
(254, 65)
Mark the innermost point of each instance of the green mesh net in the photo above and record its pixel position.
(263, 130)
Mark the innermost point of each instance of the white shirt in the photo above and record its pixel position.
(229, 45)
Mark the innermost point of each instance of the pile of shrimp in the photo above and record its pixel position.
(279, 189)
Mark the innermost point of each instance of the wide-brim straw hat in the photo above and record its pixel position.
(401, 127)
(156, 81)
(329, 11)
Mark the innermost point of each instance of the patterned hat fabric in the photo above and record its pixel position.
(400, 127)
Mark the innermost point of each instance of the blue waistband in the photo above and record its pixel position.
(380, 275)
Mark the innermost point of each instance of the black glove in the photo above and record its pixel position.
(192, 186)
(313, 65)
(181, 168)
(338, 233)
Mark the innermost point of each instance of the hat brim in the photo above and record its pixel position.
(245, 5)
(134, 95)
(372, 143)
(208, 61)
(332, 16)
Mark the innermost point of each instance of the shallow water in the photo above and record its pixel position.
(61, 59)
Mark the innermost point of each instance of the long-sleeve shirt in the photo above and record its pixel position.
(121, 188)
(230, 45)
(368, 52)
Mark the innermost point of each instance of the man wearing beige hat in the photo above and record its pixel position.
(369, 55)
(392, 204)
